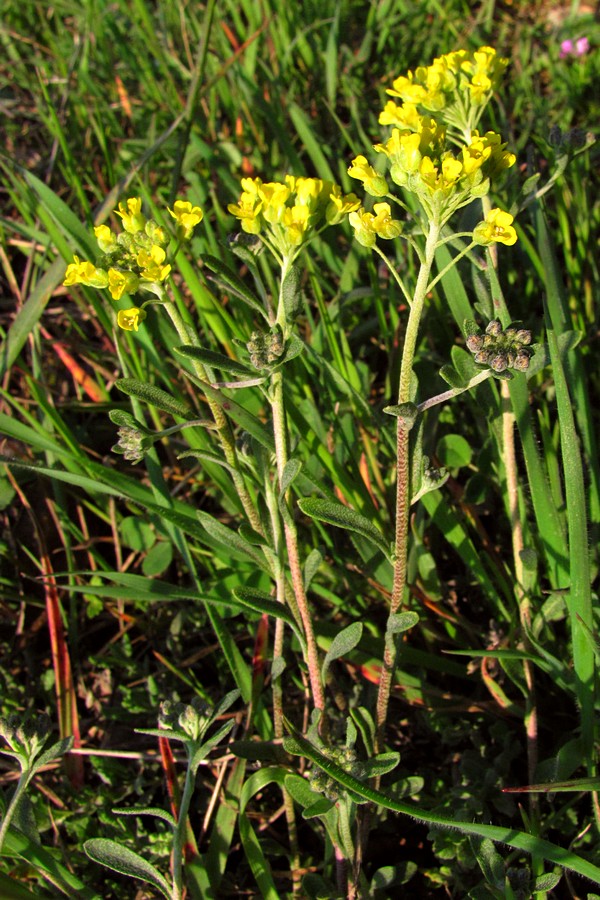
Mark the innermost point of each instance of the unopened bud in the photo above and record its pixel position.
(494, 327)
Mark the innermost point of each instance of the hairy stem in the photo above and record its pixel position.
(403, 480)
(189, 339)
(291, 542)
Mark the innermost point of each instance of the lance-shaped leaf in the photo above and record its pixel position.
(231, 539)
(345, 641)
(260, 602)
(343, 517)
(120, 859)
(298, 745)
(154, 396)
(216, 360)
(124, 418)
(228, 277)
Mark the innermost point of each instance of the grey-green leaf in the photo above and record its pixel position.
(342, 644)
(400, 622)
(229, 278)
(216, 360)
(154, 396)
(343, 517)
(120, 859)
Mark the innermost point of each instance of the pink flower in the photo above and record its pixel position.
(574, 48)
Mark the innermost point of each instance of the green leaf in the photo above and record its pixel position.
(259, 602)
(311, 566)
(342, 644)
(343, 517)
(382, 764)
(136, 533)
(234, 283)
(454, 451)
(155, 811)
(407, 412)
(232, 540)
(451, 377)
(297, 745)
(401, 622)
(124, 418)
(216, 360)
(300, 791)
(55, 751)
(252, 848)
(320, 808)
(291, 470)
(158, 559)
(291, 292)
(154, 396)
(120, 859)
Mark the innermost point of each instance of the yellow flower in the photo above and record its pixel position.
(368, 226)
(151, 264)
(133, 218)
(130, 319)
(247, 210)
(340, 205)
(274, 196)
(187, 217)
(497, 228)
(85, 273)
(295, 222)
(107, 240)
(383, 223)
(120, 283)
(405, 116)
(375, 184)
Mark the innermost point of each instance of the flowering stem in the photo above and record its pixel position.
(291, 541)
(189, 339)
(402, 479)
(180, 831)
(454, 392)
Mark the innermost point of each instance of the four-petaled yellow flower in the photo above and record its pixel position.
(375, 184)
(187, 217)
(151, 264)
(120, 283)
(85, 273)
(368, 226)
(497, 228)
(130, 319)
(133, 218)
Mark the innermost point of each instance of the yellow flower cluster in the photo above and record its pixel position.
(285, 213)
(135, 259)
(455, 85)
(444, 179)
(442, 103)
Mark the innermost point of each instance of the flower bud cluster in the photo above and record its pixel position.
(132, 444)
(192, 718)
(265, 349)
(25, 737)
(499, 348)
(287, 213)
(135, 259)
(345, 758)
